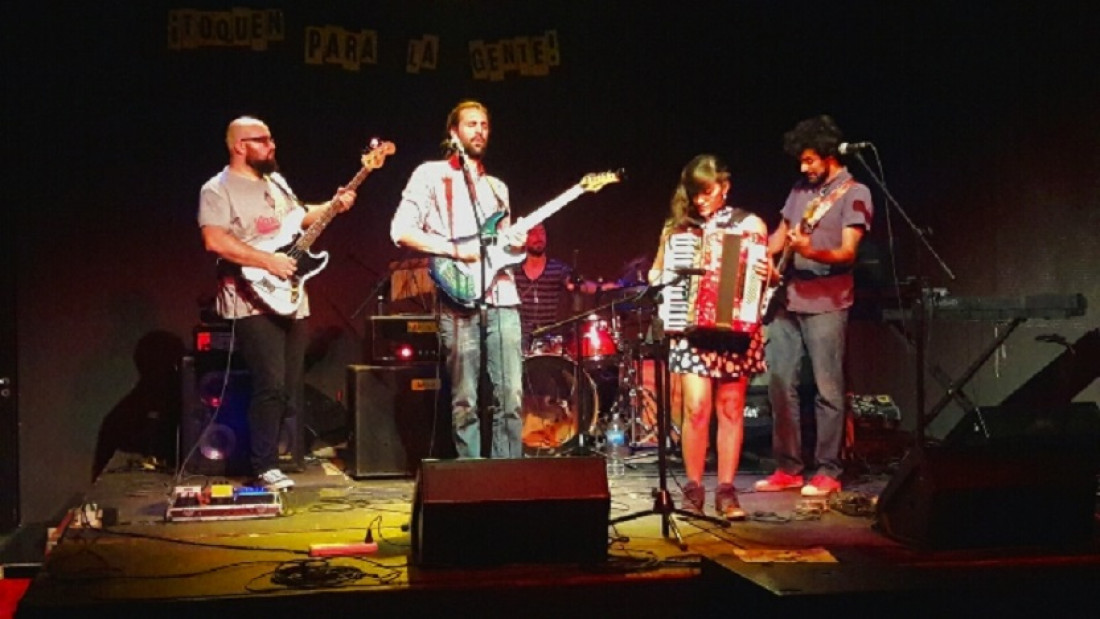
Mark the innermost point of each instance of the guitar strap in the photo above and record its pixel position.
(822, 204)
(448, 197)
(278, 181)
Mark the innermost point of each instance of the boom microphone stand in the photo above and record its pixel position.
(662, 500)
(922, 299)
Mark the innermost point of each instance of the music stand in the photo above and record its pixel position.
(662, 500)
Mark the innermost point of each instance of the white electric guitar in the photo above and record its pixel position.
(284, 296)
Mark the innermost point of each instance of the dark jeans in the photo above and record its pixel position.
(822, 336)
(274, 349)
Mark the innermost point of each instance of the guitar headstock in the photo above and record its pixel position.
(596, 181)
(377, 153)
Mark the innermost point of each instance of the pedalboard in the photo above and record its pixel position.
(222, 502)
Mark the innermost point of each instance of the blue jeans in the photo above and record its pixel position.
(274, 349)
(822, 336)
(459, 332)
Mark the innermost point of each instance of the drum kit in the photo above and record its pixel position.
(581, 371)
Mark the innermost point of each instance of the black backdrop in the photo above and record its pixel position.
(985, 116)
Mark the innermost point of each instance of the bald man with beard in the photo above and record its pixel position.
(240, 207)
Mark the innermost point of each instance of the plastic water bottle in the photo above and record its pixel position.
(616, 447)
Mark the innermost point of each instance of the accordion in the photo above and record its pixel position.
(728, 296)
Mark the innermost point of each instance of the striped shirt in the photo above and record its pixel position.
(540, 298)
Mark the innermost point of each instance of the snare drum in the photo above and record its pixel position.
(559, 401)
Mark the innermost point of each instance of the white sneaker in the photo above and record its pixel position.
(275, 480)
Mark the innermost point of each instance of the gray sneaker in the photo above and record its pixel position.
(275, 480)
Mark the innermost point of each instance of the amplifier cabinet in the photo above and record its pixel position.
(397, 415)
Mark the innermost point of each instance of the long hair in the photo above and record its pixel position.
(819, 134)
(700, 172)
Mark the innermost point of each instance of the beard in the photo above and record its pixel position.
(536, 250)
(474, 152)
(264, 167)
(816, 179)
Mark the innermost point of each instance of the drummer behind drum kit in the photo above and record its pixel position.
(580, 372)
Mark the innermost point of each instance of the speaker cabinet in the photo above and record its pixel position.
(484, 512)
(214, 431)
(397, 416)
(990, 496)
(214, 437)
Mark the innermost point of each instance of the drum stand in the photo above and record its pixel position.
(632, 388)
(662, 500)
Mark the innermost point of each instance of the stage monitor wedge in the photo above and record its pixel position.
(487, 512)
(1025, 480)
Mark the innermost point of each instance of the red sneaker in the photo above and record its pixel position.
(820, 486)
(777, 481)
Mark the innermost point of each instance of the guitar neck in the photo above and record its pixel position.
(318, 226)
(785, 256)
(546, 210)
(784, 259)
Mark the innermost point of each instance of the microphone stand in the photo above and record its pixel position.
(480, 303)
(922, 303)
(662, 500)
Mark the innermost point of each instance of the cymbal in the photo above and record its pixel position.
(633, 300)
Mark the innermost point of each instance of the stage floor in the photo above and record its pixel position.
(790, 554)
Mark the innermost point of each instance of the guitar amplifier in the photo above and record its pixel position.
(213, 336)
(403, 339)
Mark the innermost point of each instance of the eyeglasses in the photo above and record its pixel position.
(263, 139)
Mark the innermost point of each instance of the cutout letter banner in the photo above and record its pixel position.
(423, 54)
(334, 45)
(254, 29)
(528, 56)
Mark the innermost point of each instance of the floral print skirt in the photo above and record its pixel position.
(718, 355)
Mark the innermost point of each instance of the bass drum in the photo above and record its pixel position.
(559, 403)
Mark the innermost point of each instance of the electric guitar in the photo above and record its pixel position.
(283, 296)
(462, 281)
(774, 295)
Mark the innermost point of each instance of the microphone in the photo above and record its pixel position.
(451, 145)
(689, 272)
(847, 148)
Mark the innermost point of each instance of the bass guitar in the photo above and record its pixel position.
(462, 282)
(284, 296)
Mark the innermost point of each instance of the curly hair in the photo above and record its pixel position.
(819, 134)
